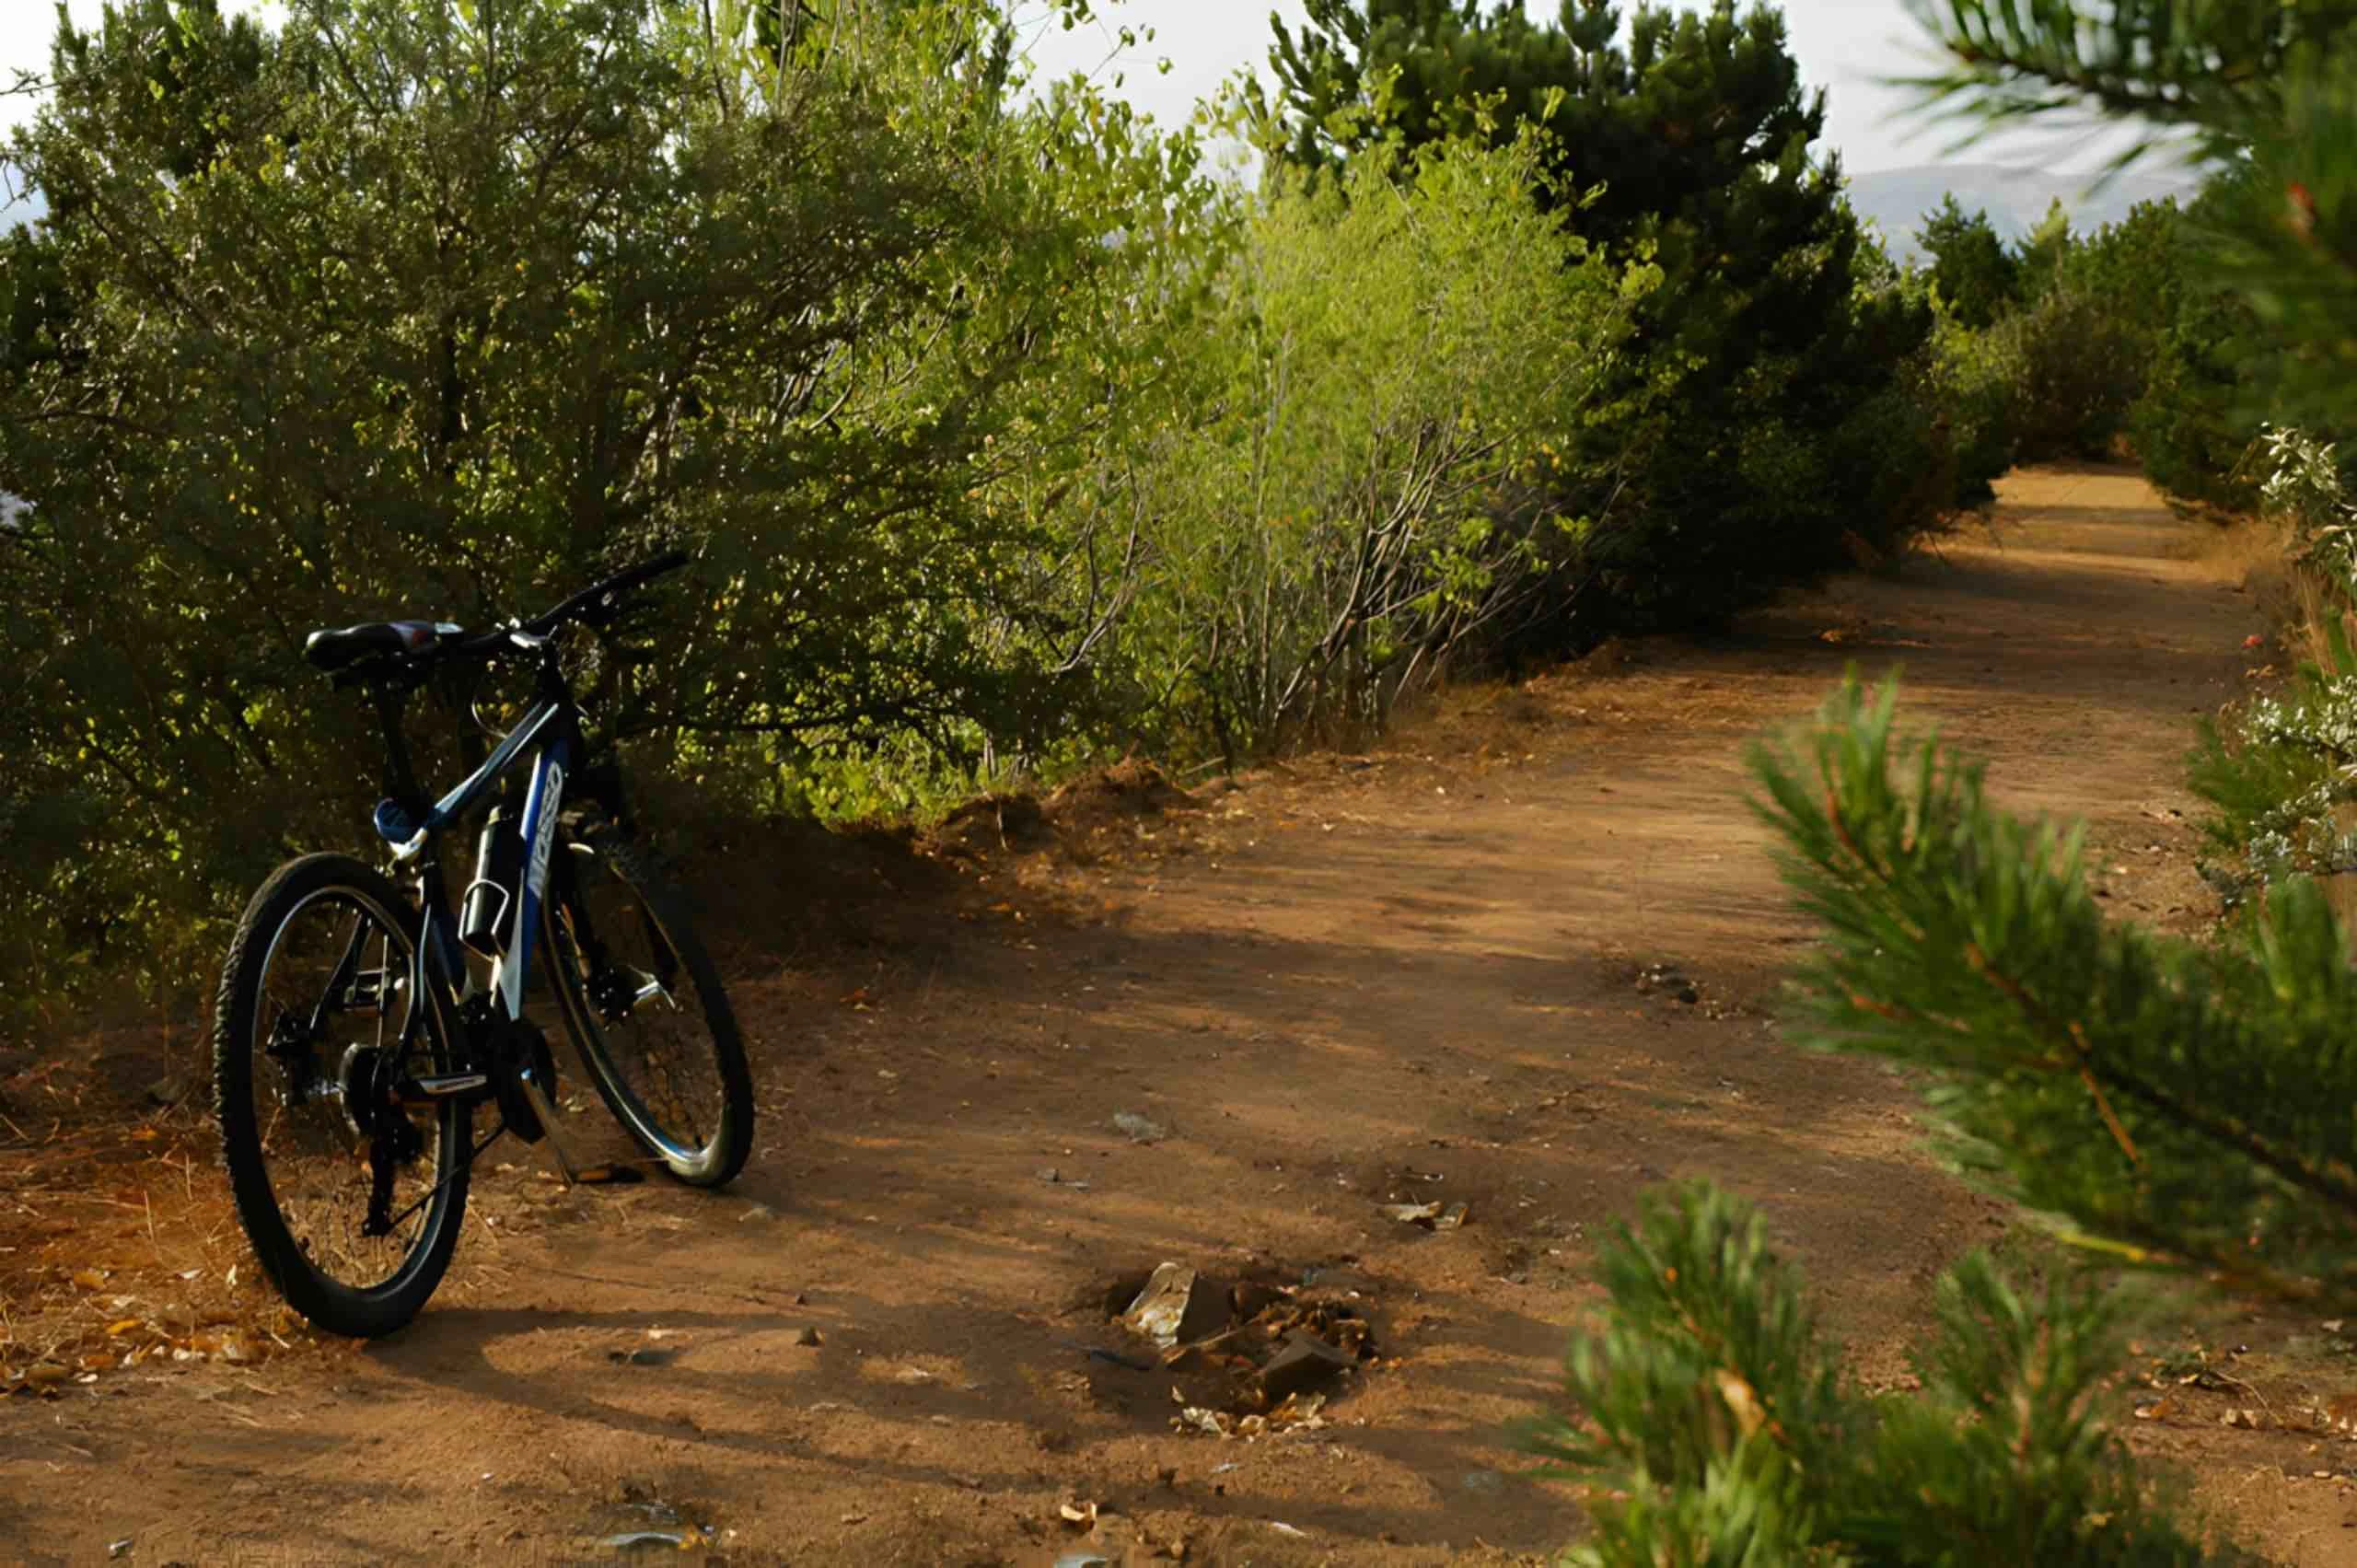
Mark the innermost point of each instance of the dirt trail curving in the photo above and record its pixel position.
(1409, 976)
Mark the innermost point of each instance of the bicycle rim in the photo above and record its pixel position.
(334, 1016)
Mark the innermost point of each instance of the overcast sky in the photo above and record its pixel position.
(1844, 46)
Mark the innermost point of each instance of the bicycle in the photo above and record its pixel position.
(353, 1041)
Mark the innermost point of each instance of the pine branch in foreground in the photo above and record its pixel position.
(1720, 1434)
(2184, 1104)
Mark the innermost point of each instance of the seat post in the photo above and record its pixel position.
(399, 774)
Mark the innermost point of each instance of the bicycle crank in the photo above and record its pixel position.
(523, 1087)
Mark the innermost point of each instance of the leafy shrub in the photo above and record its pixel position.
(2080, 369)
(2280, 775)
(1978, 377)
(1767, 417)
(2190, 427)
(1393, 360)
(2058, 367)
(406, 307)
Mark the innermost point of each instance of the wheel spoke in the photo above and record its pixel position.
(337, 1161)
(659, 1063)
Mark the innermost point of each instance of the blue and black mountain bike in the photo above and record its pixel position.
(360, 1027)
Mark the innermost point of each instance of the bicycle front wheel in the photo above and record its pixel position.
(646, 1011)
(351, 1200)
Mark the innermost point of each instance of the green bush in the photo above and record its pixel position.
(2192, 428)
(1768, 415)
(1979, 376)
(2063, 365)
(1393, 363)
(404, 307)
(2281, 773)
(1977, 277)
(2080, 367)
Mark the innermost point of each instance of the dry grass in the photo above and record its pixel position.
(2257, 554)
(118, 1250)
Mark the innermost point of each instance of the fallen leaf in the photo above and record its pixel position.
(1195, 1418)
(116, 1330)
(90, 1279)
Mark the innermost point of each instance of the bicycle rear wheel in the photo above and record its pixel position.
(353, 1205)
(646, 1011)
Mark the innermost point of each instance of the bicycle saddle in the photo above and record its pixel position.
(334, 647)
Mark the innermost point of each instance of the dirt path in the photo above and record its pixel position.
(1408, 976)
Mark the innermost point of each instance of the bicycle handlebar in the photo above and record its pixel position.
(591, 604)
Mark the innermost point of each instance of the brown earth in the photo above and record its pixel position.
(1414, 975)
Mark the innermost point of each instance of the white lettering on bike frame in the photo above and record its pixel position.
(538, 828)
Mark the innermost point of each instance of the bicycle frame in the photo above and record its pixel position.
(547, 741)
(542, 800)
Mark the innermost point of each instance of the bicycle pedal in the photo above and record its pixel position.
(610, 1176)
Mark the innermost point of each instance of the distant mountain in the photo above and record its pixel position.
(2015, 199)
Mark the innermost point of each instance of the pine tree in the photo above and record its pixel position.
(1976, 275)
(2044, 250)
(2176, 1106)
(2265, 93)
(1762, 365)
(1722, 1431)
